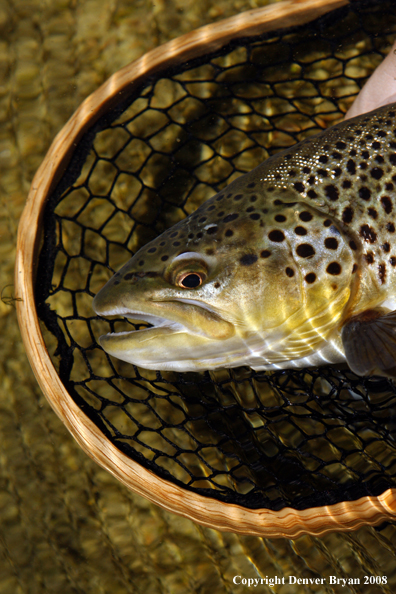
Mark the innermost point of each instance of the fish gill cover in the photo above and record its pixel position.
(297, 438)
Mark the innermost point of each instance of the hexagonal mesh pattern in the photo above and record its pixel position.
(295, 438)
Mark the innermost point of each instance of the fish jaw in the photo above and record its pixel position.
(179, 326)
(151, 348)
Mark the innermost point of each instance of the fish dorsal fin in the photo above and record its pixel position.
(369, 341)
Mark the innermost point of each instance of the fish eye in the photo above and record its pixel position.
(190, 280)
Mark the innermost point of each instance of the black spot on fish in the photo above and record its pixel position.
(310, 278)
(363, 165)
(354, 268)
(390, 227)
(376, 172)
(346, 184)
(299, 187)
(305, 216)
(336, 155)
(365, 154)
(347, 214)
(323, 172)
(191, 235)
(255, 216)
(372, 213)
(210, 208)
(230, 217)
(387, 204)
(365, 193)
(306, 170)
(216, 285)
(331, 243)
(334, 268)
(253, 198)
(251, 185)
(202, 220)
(323, 159)
(229, 233)
(238, 197)
(129, 276)
(368, 233)
(176, 243)
(141, 262)
(280, 218)
(392, 158)
(289, 272)
(164, 258)
(220, 214)
(337, 171)
(265, 254)
(305, 250)
(381, 272)
(276, 235)
(381, 159)
(312, 194)
(248, 259)
(392, 260)
(352, 245)
(386, 247)
(351, 167)
(327, 223)
(199, 235)
(250, 209)
(341, 145)
(152, 250)
(389, 187)
(369, 257)
(300, 230)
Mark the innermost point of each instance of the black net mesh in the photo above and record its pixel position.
(297, 438)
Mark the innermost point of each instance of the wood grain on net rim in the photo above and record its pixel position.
(207, 511)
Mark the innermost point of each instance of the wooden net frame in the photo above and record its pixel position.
(207, 511)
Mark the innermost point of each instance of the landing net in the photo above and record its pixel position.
(261, 440)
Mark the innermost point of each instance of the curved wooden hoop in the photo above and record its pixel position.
(288, 522)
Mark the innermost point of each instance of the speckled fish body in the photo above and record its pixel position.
(288, 266)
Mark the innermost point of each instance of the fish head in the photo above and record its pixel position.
(245, 279)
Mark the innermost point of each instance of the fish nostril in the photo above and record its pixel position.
(133, 276)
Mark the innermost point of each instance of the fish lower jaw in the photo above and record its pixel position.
(166, 348)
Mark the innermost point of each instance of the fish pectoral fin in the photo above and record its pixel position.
(369, 341)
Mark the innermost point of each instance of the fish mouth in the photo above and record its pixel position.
(154, 323)
(190, 332)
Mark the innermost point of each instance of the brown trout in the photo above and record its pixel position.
(291, 265)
